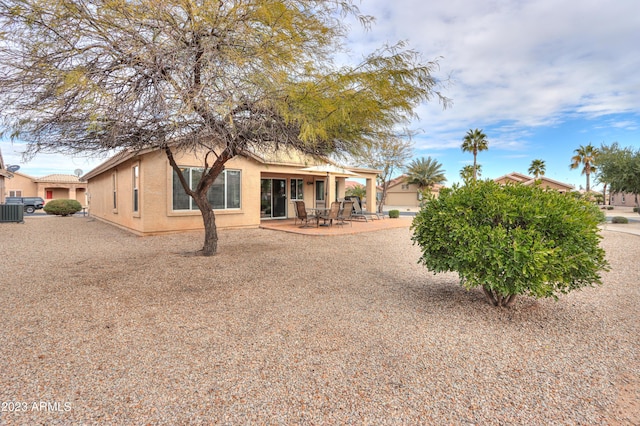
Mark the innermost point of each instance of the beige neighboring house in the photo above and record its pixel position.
(139, 191)
(402, 194)
(543, 181)
(350, 184)
(623, 199)
(48, 187)
(4, 174)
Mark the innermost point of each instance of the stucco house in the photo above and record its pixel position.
(542, 181)
(140, 192)
(3, 175)
(48, 187)
(401, 193)
(623, 199)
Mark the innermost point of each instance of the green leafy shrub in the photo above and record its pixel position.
(598, 198)
(635, 210)
(357, 190)
(62, 207)
(619, 219)
(394, 214)
(511, 240)
(609, 207)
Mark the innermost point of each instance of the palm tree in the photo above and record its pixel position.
(425, 172)
(585, 155)
(357, 190)
(475, 141)
(537, 168)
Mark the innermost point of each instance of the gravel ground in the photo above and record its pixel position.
(103, 327)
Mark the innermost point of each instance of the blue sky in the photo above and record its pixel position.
(539, 77)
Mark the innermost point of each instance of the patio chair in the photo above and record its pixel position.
(360, 213)
(346, 213)
(303, 216)
(331, 215)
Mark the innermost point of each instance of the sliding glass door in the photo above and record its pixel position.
(273, 198)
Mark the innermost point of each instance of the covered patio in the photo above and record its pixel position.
(353, 227)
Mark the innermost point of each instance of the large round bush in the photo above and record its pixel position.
(62, 207)
(511, 240)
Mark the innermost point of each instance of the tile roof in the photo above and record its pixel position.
(59, 178)
(528, 180)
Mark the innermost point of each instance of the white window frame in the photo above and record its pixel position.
(188, 175)
(135, 189)
(114, 188)
(298, 184)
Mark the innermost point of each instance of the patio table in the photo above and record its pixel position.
(319, 212)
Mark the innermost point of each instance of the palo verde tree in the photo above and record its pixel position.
(386, 155)
(511, 240)
(217, 77)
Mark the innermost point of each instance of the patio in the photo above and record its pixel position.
(356, 227)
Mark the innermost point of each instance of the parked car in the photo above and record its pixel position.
(31, 204)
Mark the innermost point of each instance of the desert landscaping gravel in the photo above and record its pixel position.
(103, 327)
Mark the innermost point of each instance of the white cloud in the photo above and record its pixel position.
(516, 66)
(521, 61)
(627, 124)
(44, 164)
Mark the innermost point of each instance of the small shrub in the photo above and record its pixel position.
(619, 219)
(635, 210)
(62, 207)
(394, 214)
(609, 207)
(511, 240)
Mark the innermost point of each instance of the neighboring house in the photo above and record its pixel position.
(21, 185)
(623, 199)
(140, 192)
(3, 175)
(542, 181)
(400, 193)
(48, 187)
(350, 184)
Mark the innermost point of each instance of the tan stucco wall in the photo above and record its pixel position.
(23, 183)
(505, 180)
(156, 179)
(542, 182)
(397, 196)
(554, 186)
(155, 214)
(626, 199)
(69, 191)
(402, 199)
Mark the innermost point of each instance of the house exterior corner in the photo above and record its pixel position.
(141, 193)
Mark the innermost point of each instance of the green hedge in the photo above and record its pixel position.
(619, 219)
(62, 207)
(394, 214)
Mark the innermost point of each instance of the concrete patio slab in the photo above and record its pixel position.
(356, 227)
